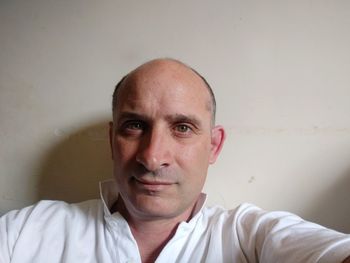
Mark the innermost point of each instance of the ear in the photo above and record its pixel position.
(111, 136)
(218, 136)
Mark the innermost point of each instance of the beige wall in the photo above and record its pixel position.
(280, 70)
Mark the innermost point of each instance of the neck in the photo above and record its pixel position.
(151, 235)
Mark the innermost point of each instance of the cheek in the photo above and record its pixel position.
(124, 151)
(123, 158)
(195, 158)
(193, 163)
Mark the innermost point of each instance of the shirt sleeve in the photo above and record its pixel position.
(10, 228)
(283, 237)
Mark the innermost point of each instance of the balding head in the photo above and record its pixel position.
(173, 69)
(163, 139)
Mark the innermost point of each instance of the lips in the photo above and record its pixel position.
(152, 185)
(152, 182)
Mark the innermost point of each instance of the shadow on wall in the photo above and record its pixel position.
(333, 207)
(73, 168)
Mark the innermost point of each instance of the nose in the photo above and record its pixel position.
(154, 151)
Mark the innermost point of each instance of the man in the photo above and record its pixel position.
(163, 137)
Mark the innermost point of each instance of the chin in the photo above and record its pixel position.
(156, 208)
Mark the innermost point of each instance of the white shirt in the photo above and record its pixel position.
(53, 231)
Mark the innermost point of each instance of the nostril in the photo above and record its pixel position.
(150, 163)
(142, 169)
(164, 165)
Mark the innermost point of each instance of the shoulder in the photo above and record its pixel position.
(51, 223)
(49, 207)
(218, 213)
(250, 218)
(249, 222)
(46, 213)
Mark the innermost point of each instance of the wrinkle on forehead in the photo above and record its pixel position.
(157, 98)
(171, 69)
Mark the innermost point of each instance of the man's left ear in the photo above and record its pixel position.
(218, 136)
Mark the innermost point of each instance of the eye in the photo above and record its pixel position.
(132, 127)
(183, 128)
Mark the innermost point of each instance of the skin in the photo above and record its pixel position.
(162, 142)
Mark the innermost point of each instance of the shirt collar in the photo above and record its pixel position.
(109, 192)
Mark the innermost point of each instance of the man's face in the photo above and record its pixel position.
(162, 140)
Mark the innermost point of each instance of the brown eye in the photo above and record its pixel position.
(182, 128)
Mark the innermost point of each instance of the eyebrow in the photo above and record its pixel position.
(132, 115)
(174, 118)
(178, 118)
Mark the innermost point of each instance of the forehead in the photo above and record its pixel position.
(164, 86)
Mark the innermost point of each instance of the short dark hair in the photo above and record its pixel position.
(211, 93)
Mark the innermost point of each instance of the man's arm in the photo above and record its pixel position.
(284, 237)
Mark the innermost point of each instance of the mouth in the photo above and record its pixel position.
(152, 185)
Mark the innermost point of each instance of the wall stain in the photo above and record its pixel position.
(251, 179)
